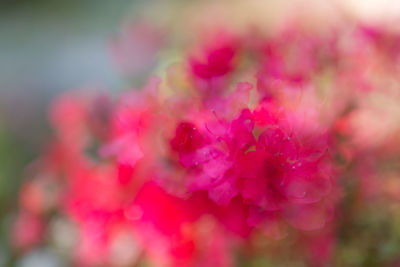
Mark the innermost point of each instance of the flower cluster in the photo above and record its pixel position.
(246, 137)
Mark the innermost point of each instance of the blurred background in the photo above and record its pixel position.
(50, 46)
(46, 47)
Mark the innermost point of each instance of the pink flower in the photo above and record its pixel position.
(170, 229)
(187, 138)
(216, 59)
(27, 230)
(208, 154)
(210, 65)
(286, 176)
